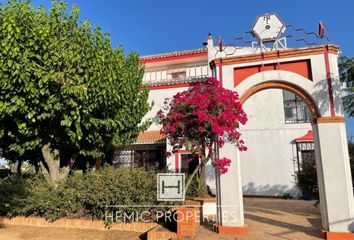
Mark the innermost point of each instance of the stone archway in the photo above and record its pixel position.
(312, 73)
(285, 86)
(315, 120)
(332, 165)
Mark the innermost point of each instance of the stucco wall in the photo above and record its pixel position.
(156, 98)
(268, 165)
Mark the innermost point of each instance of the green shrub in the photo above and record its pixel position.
(81, 195)
(12, 193)
(195, 187)
(307, 179)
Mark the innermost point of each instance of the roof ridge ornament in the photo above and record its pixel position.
(268, 34)
(268, 29)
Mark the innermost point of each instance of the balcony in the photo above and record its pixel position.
(176, 76)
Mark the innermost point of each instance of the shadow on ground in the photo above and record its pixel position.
(273, 219)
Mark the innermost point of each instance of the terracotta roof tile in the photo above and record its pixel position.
(174, 54)
(150, 137)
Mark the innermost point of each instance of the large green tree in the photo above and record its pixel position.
(64, 90)
(346, 71)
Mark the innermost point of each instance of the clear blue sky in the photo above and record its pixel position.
(165, 25)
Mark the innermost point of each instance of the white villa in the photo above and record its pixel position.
(279, 121)
(292, 97)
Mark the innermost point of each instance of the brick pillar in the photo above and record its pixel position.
(186, 222)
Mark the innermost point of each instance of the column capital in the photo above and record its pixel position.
(320, 120)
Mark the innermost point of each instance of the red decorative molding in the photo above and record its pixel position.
(302, 67)
(281, 54)
(171, 86)
(337, 119)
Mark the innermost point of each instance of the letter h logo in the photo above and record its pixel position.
(170, 186)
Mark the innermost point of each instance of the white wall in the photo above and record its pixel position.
(157, 98)
(268, 164)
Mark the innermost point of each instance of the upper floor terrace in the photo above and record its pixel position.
(176, 67)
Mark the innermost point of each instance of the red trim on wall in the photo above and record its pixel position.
(329, 81)
(172, 58)
(177, 167)
(302, 67)
(171, 86)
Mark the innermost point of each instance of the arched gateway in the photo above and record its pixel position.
(312, 74)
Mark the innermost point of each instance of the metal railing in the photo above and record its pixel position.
(192, 74)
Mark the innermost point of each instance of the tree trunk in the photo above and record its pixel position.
(19, 166)
(51, 169)
(204, 187)
(36, 167)
(52, 160)
(98, 163)
(201, 168)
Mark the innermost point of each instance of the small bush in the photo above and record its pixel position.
(195, 187)
(307, 179)
(81, 195)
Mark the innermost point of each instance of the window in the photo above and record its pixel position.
(149, 158)
(295, 110)
(213, 71)
(305, 153)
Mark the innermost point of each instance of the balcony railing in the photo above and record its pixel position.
(176, 76)
(175, 81)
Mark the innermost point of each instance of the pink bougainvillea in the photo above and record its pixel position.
(201, 117)
(222, 164)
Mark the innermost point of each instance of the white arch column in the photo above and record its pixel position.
(230, 215)
(229, 196)
(334, 175)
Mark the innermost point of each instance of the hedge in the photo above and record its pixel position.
(81, 195)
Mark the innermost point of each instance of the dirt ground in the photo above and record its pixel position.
(266, 219)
